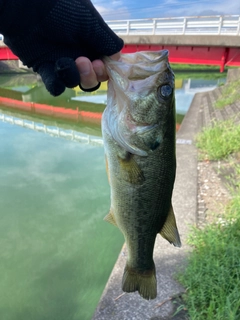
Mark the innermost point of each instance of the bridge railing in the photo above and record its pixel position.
(211, 25)
(199, 25)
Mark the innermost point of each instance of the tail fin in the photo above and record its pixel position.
(145, 282)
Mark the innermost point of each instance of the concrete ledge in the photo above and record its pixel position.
(168, 259)
(183, 40)
(177, 40)
(233, 75)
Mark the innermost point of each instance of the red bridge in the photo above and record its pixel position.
(211, 40)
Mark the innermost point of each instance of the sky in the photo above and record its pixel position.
(139, 9)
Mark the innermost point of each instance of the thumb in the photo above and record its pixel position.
(67, 72)
(51, 80)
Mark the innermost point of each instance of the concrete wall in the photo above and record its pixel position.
(180, 40)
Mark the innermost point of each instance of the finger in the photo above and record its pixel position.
(52, 83)
(100, 70)
(116, 56)
(66, 70)
(99, 67)
(87, 75)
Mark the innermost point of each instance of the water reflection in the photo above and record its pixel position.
(80, 103)
(56, 252)
(54, 131)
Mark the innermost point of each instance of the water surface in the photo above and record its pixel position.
(56, 252)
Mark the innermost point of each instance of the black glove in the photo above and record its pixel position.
(49, 35)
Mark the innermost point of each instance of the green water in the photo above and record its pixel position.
(56, 252)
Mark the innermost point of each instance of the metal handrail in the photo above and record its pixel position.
(196, 25)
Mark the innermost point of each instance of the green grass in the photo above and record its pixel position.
(193, 71)
(203, 75)
(230, 94)
(212, 277)
(182, 66)
(219, 141)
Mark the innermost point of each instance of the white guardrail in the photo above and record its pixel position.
(53, 131)
(205, 25)
(202, 25)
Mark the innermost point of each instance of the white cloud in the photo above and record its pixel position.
(192, 8)
(113, 10)
(122, 9)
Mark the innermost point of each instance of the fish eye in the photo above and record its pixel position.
(165, 91)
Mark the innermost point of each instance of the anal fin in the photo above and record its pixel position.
(169, 230)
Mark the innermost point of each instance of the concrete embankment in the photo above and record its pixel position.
(13, 67)
(168, 259)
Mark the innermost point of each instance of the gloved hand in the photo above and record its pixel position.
(50, 35)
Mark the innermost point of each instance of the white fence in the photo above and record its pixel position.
(205, 25)
(212, 25)
(53, 131)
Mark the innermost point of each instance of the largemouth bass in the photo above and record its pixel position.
(138, 128)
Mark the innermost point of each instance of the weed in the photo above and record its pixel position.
(212, 277)
(229, 95)
(219, 141)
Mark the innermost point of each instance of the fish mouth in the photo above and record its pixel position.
(136, 66)
(139, 58)
(131, 75)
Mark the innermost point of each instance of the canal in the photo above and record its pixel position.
(56, 252)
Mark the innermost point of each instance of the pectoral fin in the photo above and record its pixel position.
(169, 230)
(110, 218)
(131, 171)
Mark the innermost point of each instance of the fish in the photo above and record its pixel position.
(139, 137)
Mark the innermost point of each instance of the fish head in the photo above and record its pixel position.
(140, 100)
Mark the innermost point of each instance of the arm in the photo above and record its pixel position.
(42, 32)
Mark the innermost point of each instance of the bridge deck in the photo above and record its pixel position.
(212, 40)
